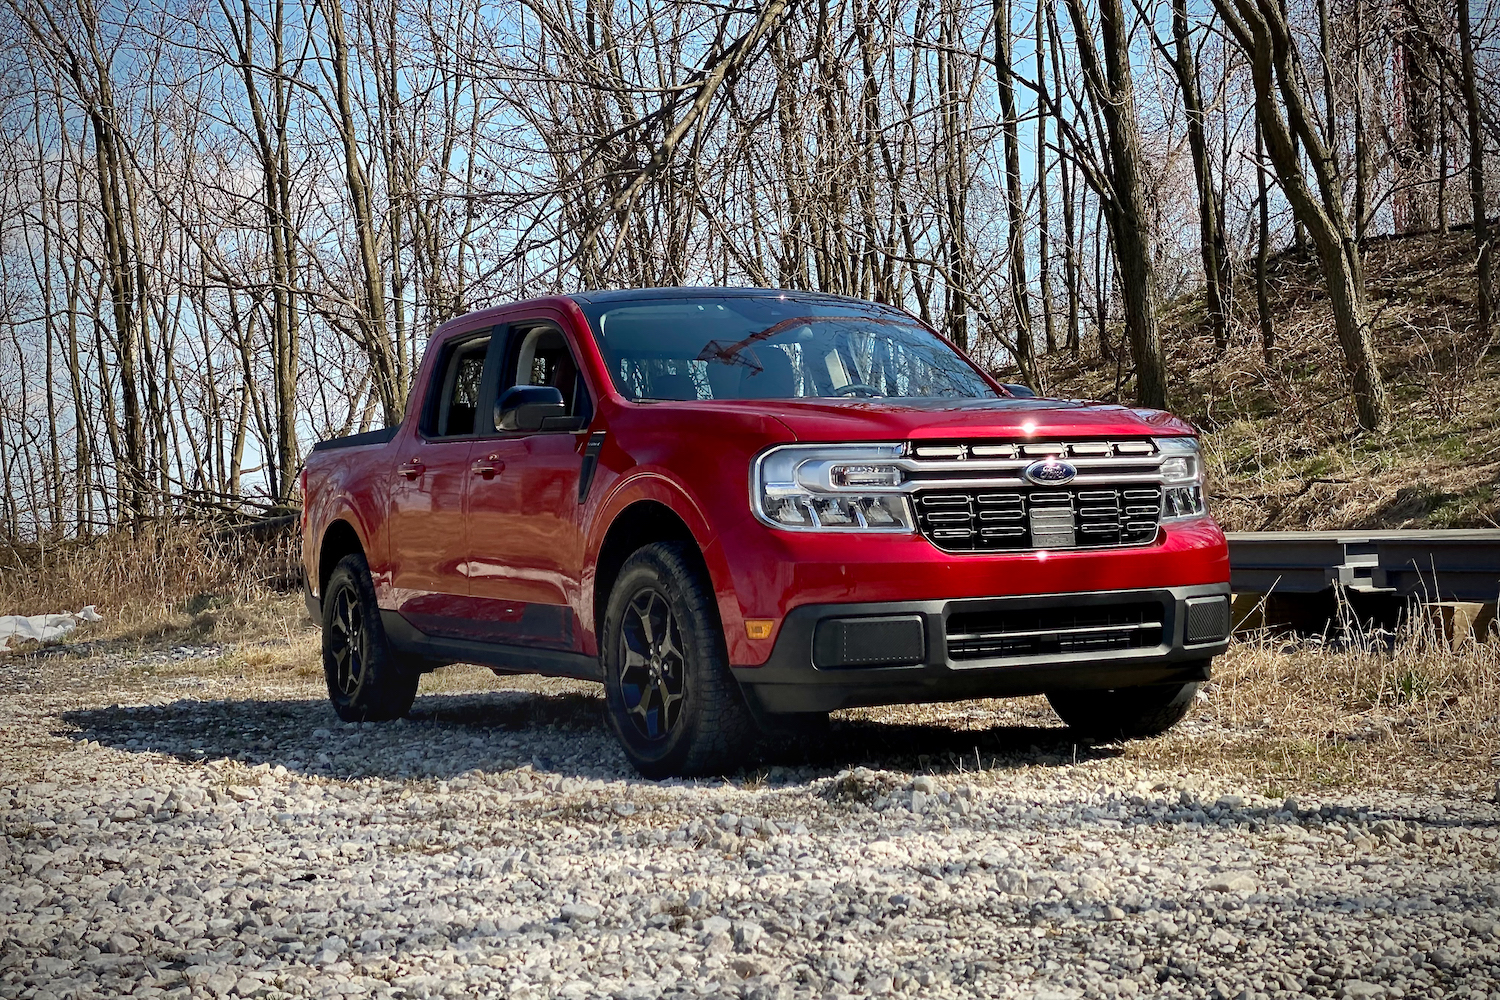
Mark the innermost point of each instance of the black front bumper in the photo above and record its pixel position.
(791, 680)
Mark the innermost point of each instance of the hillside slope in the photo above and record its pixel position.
(1283, 446)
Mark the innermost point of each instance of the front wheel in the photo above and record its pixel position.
(1124, 713)
(668, 692)
(367, 682)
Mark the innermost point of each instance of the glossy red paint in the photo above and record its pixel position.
(478, 555)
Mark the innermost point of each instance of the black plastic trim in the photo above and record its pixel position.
(789, 682)
(382, 436)
(590, 463)
(502, 658)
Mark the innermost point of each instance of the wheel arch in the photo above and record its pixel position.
(642, 522)
(339, 539)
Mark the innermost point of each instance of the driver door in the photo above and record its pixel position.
(523, 515)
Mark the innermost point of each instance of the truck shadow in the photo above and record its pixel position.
(446, 735)
(564, 735)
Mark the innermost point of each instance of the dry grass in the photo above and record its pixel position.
(174, 579)
(1282, 714)
(1403, 710)
(1362, 708)
(1408, 710)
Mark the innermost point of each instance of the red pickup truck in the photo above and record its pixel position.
(742, 508)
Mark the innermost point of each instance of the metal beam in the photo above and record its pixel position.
(1438, 565)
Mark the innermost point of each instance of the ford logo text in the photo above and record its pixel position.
(1051, 472)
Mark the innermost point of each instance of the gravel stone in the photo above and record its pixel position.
(200, 841)
(580, 911)
(1233, 882)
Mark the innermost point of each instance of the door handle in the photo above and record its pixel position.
(487, 467)
(412, 469)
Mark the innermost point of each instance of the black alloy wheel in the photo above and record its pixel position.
(653, 671)
(367, 680)
(348, 644)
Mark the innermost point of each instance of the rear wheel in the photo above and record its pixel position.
(668, 692)
(367, 682)
(1124, 713)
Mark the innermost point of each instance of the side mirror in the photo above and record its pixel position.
(1017, 389)
(528, 407)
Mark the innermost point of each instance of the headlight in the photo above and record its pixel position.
(831, 488)
(1182, 478)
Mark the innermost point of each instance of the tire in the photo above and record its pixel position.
(1124, 713)
(367, 682)
(668, 692)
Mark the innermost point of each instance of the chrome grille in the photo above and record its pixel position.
(974, 496)
(978, 635)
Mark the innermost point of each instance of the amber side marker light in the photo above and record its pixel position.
(759, 628)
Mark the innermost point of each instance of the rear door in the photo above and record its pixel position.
(524, 538)
(429, 554)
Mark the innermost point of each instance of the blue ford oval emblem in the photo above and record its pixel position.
(1051, 472)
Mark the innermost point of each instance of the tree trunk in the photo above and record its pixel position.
(1442, 154)
(1043, 194)
(1186, 67)
(1266, 39)
(1016, 248)
(1361, 146)
(1263, 250)
(1484, 277)
(955, 183)
(373, 336)
(1071, 260)
(1128, 213)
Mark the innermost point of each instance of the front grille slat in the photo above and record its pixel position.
(980, 635)
(1038, 517)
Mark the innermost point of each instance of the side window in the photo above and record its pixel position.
(458, 402)
(541, 356)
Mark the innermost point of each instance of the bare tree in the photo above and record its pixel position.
(1210, 238)
(1120, 187)
(1043, 193)
(1019, 293)
(1260, 30)
(1484, 279)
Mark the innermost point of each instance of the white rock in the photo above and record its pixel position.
(1232, 882)
(747, 935)
(582, 912)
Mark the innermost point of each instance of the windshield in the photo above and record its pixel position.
(774, 347)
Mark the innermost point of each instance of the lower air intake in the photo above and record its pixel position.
(982, 635)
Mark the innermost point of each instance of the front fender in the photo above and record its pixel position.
(657, 486)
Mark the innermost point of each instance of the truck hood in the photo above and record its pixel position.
(929, 419)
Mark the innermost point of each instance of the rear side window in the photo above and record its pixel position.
(458, 395)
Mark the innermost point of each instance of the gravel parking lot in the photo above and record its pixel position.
(168, 833)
